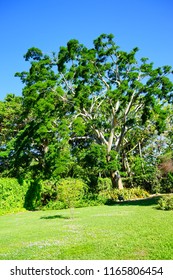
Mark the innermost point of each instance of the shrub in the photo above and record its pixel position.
(48, 192)
(12, 195)
(166, 203)
(66, 193)
(126, 194)
(167, 183)
(104, 184)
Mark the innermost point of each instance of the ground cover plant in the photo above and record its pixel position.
(126, 230)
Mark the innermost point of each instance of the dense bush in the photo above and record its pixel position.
(48, 192)
(104, 184)
(167, 183)
(166, 203)
(12, 195)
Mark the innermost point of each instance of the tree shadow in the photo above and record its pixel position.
(149, 201)
(54, 217)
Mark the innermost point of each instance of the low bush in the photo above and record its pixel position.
(166, 203)
(12, 195)
(124, 194)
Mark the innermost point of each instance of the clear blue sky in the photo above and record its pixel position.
(49, 24)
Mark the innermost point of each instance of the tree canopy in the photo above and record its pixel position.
(90, 113)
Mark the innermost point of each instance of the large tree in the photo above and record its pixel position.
(115, 94)
(100, 96)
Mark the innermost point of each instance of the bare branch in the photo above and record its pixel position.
(79, 138)
(130, 104)
(101, 136)
(138, 107)
(67, 84)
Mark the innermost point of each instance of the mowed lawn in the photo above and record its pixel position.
(128, 230)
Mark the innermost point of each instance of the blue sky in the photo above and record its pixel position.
(49, 24)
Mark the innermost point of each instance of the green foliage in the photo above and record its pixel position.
(33, 194)
(79, 127)
(91, 163)
(48, 192)
(87, 112)
(33, 53)
(71, 191)
(54, 205)
(113, 195)
(65, 193)
(104, 184)
(12, 195)
(166, 183)
(10, 125)
(166, 203)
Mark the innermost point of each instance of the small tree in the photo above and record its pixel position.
(71, 191)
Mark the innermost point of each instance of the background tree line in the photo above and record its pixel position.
(90, 113)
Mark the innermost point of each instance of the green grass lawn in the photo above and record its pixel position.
(128, 230)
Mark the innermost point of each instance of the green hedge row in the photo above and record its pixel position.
(64, 193)
(12, 195)
(37, 195)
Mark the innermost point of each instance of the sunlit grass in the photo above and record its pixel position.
(122, 231)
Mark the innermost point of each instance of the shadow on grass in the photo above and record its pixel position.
(149, 201)
(54, 217)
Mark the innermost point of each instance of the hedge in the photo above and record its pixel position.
(12, 195)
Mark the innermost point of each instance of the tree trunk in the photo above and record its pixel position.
(116, 180)
(140, 153)
(128, 169)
